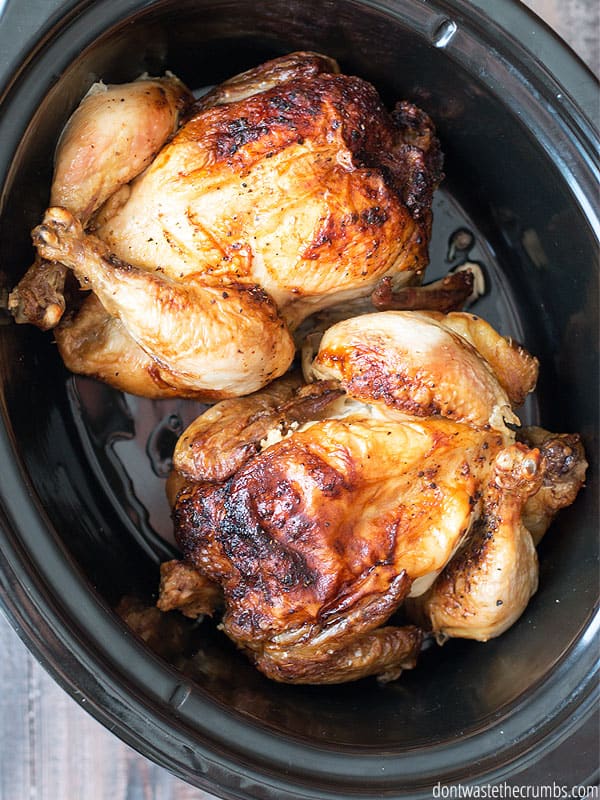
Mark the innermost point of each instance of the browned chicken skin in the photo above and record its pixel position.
(322, 532)
(286, 190)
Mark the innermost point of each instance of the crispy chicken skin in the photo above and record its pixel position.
(330, 516)
(319, 534)
(286, 190)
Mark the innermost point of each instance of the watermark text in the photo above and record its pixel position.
(498, 791)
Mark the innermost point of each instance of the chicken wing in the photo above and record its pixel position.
(428, 363)
(216, 445)
(267, 76)
(185, 589)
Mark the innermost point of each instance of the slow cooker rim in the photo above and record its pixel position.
(554, 59)
(14, 589)
(574, 92)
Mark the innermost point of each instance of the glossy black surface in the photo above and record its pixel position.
(85, 522)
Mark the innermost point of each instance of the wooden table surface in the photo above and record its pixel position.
(50, 749)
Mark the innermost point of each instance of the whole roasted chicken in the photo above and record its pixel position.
(312, 512)
(206, 231)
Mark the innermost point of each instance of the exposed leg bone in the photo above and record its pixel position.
(563, 468)
(39, 297)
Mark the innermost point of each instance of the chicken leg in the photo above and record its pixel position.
(487, 585)
(110, 138)
(198, 335)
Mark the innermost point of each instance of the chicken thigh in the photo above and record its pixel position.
(287, 189)
(318, 530)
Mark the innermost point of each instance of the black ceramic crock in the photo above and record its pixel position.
(82, 513)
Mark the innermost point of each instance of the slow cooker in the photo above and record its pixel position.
(84, 523)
